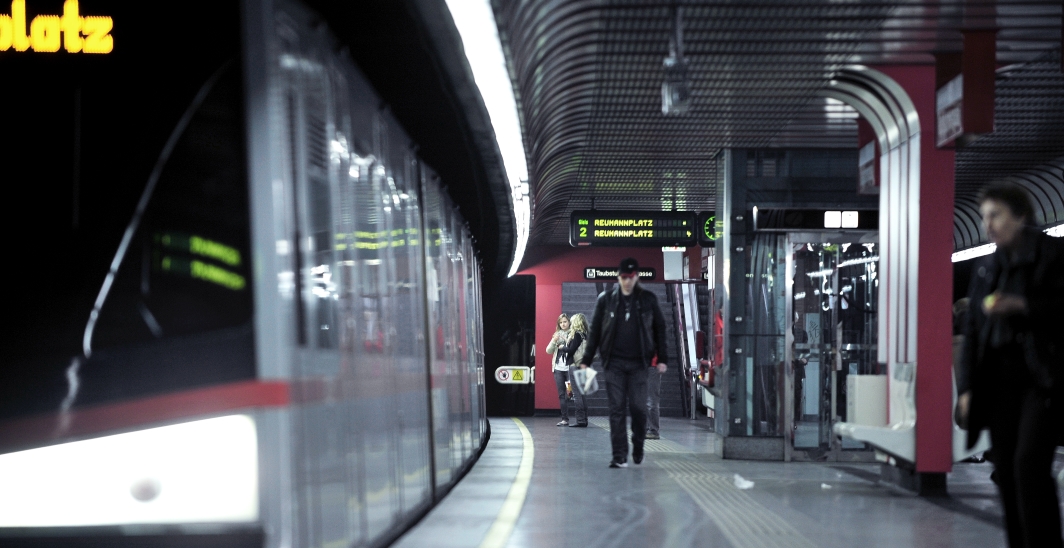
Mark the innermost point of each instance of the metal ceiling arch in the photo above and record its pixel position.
(870, 91)
(967, 223)
(588, 77)
(861, 100)
(1046, 186)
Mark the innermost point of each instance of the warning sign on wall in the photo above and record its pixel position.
(509, 374)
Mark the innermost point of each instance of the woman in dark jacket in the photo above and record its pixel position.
(1009, 377)
(563, 346)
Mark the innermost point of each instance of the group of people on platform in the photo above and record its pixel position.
(1010, 372)
(628, 332)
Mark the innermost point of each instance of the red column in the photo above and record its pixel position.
(548, 308)
(934, 349)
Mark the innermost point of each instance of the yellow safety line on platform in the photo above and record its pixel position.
(500, 531)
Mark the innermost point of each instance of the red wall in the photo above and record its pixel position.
(554, 265)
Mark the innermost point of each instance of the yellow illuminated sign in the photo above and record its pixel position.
(200, 246)
(218, 275)
(625, 222)
(203, 271)
(620, 227)
(373, 241)
(628, 233)
(214, 250)
(47, 33)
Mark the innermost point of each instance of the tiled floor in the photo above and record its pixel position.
(685, 495)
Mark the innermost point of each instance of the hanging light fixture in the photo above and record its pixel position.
(675, 90)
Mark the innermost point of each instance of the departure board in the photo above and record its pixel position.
(632, 228)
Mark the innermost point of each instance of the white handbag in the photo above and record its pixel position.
(586, 380)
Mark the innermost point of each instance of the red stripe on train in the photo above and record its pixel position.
(45, 429)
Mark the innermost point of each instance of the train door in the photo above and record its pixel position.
(831, 336)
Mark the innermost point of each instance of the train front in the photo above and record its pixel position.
(244, 311)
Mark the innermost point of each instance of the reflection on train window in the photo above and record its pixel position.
(320, 174)
(188, 271)
(179, 312)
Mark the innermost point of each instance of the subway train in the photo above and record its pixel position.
(274, 338)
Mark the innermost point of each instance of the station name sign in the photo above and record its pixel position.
(50, 33)
(611, 272)
(630, 228)
(815, 219)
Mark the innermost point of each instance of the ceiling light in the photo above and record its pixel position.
(480, 38)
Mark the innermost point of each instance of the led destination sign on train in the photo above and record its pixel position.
(48, 33)
(632, 228)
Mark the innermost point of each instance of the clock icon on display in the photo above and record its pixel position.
(708, 229)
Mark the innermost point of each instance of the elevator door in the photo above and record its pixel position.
(832, 335)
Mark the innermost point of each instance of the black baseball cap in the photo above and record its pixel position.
(628, 267)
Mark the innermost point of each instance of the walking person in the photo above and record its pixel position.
(627, 330)
(1009, 377)
(560, 366)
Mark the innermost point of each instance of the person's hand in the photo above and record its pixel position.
(963, 402)
(1004, 304)
(662, 368)
(583, 366)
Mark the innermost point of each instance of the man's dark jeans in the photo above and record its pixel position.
(1023, 430)
(626, 391)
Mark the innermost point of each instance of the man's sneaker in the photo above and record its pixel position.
(578, 425)
(653, 436)
(563, 422)
(615, 464)
(637, 457)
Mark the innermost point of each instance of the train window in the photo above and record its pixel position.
(179, 311)
(407, 241)
(321, 173)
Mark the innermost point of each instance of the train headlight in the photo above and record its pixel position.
(204, 471)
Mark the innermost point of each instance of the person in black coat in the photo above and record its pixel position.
(1009, 377)
(627, 330)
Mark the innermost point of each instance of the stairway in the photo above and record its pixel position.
(580, 297)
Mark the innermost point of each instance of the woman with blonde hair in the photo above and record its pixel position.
(576, 342)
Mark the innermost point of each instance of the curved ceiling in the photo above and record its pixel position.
(433, 95)
(588, 76)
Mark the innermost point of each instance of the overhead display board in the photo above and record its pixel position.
(627, 228)
(815, 219)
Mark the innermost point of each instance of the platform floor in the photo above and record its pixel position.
(684, 494)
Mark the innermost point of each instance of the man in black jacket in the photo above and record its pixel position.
(627, 330)
(1011, 374)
